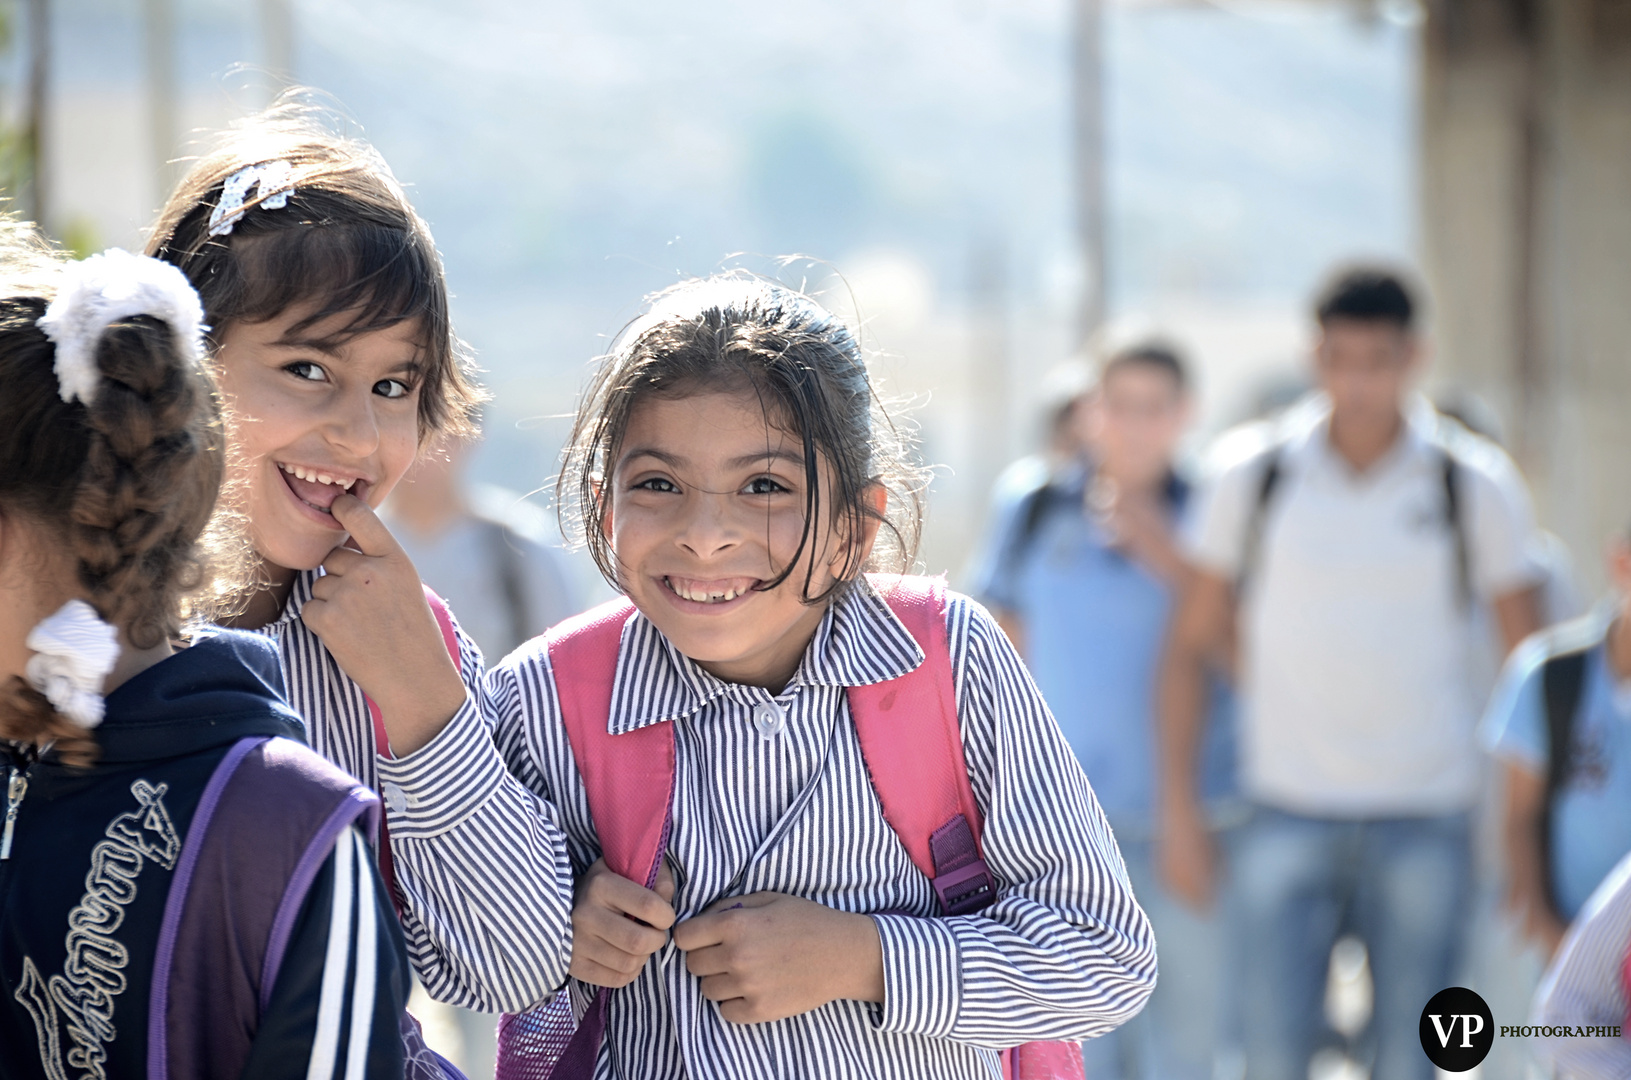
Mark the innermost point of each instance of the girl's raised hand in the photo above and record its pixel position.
(617, 925)
(769, 956)
(369, 610)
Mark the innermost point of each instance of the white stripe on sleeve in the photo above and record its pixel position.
(331, 1002)
(362, 992)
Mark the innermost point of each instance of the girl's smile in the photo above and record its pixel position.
(714, 595)
(316, 487)
(707, 509)
(316, 414)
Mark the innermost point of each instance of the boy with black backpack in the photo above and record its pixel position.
(1083, 577)
(1347, 549)
(1560, 723)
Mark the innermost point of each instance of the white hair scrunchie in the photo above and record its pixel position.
(74, 650)
(101, 290)
(271, 183)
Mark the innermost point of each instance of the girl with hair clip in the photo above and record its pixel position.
(329, 332)
(184, 890)
(821, 821)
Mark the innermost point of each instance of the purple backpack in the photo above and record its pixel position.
(232, 907)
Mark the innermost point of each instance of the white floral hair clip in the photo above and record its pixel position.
(271, 183)
(74, 649)
(103, 289)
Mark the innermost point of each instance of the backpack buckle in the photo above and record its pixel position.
(966, 889)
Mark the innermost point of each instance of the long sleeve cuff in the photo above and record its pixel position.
(444, 782)
(922, 976)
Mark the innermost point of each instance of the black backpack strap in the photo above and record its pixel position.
(1455, 518)
(1033, 509)
(1563, 679)
(507, 561)
(1267, 481)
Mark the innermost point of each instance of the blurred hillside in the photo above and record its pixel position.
(575, 155)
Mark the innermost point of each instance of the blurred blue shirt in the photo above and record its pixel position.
(1592, 814)
(1095, 624)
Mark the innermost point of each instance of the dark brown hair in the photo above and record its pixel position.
(1154, 354)
(347, 243)
(125, 485)
(1370, 294)
(735, 331)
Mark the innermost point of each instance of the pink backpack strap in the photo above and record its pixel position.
(914, 752)
(913, 747)
(627, 778)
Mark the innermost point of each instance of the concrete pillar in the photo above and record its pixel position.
(1526, 220)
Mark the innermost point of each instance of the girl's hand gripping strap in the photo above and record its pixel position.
(914, 752)
(629, 782)
(382, 741)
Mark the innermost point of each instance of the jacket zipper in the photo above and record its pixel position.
(16, 788)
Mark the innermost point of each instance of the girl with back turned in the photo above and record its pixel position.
(184, 889)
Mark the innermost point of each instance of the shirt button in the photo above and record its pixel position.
(768, 718)
(396, 798)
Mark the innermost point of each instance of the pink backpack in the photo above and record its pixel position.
(914, 752)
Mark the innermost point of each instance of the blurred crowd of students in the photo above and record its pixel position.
(1278, 676)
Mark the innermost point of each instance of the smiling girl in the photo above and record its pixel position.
(735, 474)
(331, 338)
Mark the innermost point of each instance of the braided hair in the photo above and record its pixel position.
(125, 485)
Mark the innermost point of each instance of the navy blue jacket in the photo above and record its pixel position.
(85, 889)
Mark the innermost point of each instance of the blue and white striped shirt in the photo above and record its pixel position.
(1583, 989)
(1064, 953)
(481, 864)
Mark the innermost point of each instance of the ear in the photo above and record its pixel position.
(1618, 558)
(858, 549)
(603, 508)
(1416, 355)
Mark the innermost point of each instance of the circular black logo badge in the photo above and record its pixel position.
(1457, 1029)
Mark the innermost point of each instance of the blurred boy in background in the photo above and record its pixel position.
(483, 549)
(1560, 723)
(1082, 574)
(1360, 536)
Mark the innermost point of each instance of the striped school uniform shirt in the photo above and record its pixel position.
(482, 868)
(772, 794)
(1584, 996)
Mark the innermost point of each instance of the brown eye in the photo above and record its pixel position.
(307, 370)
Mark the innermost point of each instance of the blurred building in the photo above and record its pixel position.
(1526, 221)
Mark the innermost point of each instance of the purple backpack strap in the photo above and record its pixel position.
(239, 884)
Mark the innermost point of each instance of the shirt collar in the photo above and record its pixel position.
(298, 596)
(1308, 427)
(858, 642)
(1619, 690)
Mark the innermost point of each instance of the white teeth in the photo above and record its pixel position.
(314, 477)
(685, 592)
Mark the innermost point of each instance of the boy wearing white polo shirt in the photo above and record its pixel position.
(1358, 534)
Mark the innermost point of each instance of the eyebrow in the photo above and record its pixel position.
(788, 456)
(331, 348)
(675, 461)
